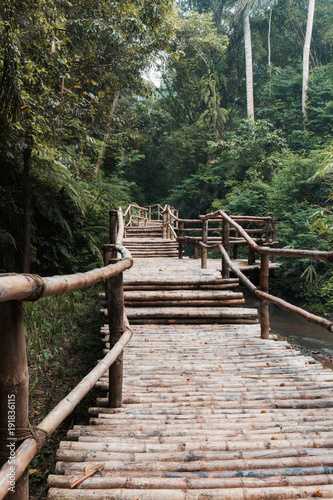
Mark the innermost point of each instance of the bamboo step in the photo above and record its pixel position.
(183, 295)
(149, 244)
(180, 313)
(240, 493)
(209, 412)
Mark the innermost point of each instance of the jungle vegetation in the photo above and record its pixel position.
(200, 103)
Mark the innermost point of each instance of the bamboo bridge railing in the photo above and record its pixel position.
(231, 233)
(226, 231)
(264, 252)
(14, 399)
(136, 216)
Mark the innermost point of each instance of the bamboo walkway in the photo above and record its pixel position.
(210, 410)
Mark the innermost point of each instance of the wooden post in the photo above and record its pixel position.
(108, 255)
(116, 326)
(149, 212)
(196, 253)
(268, 231)
(14, 391)
(251, 256)
(158, 213)
(204, 240)
(168, 218)
(274, 231)
(164, 225)
(235, 248)
(180, 243)
(264, 305)
(113, 229)
(172, 224)
(226, 245)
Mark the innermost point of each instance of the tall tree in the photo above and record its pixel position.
(248, 61)
(62, 66)
(306, 56)
(243, 10)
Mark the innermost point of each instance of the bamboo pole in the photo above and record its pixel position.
(168, 223)
(116, 326)
(120, 226)
(302, 254)
(164, 224)
(113, 231)
(180, 243)
(14, 394)
(274, 237)
(264, 306)
(251, 259)
(204, 236)
(196, 254)
(30, 286)
(107, 259)
(226, 246)
(236, 271)
(28, 448)
(184, 303)
(182, 295)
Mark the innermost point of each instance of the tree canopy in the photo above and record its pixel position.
(85, 125)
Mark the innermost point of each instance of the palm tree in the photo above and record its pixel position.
(242, 9)
(248, 58)
(306, 55)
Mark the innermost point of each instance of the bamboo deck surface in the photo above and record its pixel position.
(210, 411)
(174, 267)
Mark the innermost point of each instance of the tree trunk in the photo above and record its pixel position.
(107, 134)
(248, 65)
(269, 50)
(306, 56)
(26, 253)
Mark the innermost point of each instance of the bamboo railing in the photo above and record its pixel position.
(232, 233)
(264, 252)
(14, 424)
(136, 216)
(200, 233)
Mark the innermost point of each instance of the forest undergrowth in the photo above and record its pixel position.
(63, 345)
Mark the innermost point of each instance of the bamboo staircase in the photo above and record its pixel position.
(145, 241)
(185, 302)
(210, 410)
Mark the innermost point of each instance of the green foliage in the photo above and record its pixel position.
(185, 112)
(61, 67)
(58, 329)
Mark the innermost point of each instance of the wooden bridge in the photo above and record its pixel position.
(202, 403)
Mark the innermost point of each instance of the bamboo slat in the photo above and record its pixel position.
(224, 429)
(210, 410)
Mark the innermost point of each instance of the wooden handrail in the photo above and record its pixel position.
(14, 374)
(172, 230)
(28, 449)
(312, 318)
(31, 286)
(283, 252)
(264, 251)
